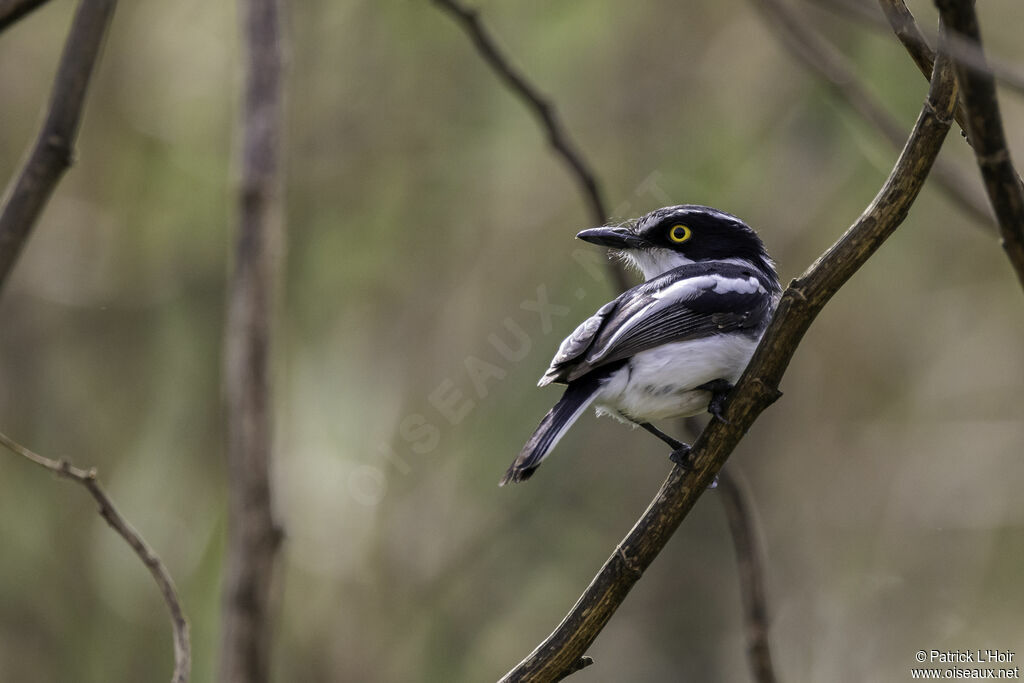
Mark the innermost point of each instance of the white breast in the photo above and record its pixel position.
(659, 383)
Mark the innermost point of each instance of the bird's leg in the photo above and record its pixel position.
(719, 389)
(680, 454)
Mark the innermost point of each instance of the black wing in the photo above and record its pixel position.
(689, 302)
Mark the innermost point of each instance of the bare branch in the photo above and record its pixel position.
(822, 58)
(735, 499)
(985, 129)
(962, 51)
(905, 27)
(755, 391)
(543, 110)
(254, 537)
(579, 664)
(107, 510)
(54, 148)
(13, 10)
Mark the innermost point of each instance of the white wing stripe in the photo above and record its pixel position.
(686, 289)
(733, 284)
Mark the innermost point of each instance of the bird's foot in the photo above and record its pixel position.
(719, 389)
(681, 456)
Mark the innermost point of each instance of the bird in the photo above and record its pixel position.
(672, 346)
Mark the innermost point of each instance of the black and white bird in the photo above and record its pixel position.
(672, 346)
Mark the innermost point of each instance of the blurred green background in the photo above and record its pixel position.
(423, 209)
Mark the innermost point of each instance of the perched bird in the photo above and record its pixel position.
(672, 346)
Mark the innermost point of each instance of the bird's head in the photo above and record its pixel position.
(677, 235)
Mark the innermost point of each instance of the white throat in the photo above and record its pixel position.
(653, 262)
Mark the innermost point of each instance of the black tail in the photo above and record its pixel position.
(578, 395)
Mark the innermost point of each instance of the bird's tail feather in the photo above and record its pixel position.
(578, 395)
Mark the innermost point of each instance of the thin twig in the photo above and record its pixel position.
(755, 391)
(54, 148)
(904, 26)
(107, 510)
(824, 59)
(254, 536)
(985, 129)
(543, 110)
(735, 499)
(13, 10)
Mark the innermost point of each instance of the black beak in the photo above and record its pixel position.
(614, 238)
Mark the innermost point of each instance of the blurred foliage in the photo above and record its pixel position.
(423, 209)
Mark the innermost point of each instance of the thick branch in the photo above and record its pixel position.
(13, 10)
(748, 562)
(54, 148)
(985, 129)
(543, 110)
(822, 58)
(755, 391)
(253, 535)
(107, 510)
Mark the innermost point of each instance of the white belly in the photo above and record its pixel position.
(659, 383)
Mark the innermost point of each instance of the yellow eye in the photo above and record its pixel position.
(679, 233)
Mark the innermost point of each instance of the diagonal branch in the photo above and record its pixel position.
(54, 148)
(107, 510)
(543, 110)
(755, 391)
(905, 27)
(13, 10)
(822, 58)
(253, 536)
(985, 129)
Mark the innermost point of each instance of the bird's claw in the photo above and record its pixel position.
(716, 406)
(719, 389)
(681, 457)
